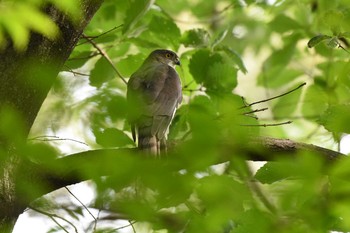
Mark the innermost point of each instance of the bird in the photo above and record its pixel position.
(154, 93)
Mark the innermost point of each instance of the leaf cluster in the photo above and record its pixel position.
(290, 42)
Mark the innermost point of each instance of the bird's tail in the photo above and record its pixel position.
(149, 144)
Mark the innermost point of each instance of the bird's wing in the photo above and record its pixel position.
(164, 106)
(154, 94)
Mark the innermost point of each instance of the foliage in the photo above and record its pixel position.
(288, 41)
(19, 18)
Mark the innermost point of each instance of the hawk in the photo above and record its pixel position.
(153, 95)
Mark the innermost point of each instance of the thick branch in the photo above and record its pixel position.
(26, 78)
(275, 148)
(72, 169)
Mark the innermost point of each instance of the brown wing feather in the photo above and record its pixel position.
(153, 95)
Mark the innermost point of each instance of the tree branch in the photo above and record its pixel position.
(70, 169)
(26, 78)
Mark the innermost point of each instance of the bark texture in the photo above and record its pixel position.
(23, 89)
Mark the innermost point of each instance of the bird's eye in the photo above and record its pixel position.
(168, 55)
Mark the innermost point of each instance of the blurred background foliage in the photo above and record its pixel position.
(228, 49)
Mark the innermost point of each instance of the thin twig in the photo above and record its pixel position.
(95, 222)
(340, 46)
(55, 138)
(102, 34)
(76, 73)
(76, 198)
(94, 54)
(132, 226)
(125, 226)
(266, 125)
(275, 97)
(254, 111)
(260, 194)
(252, 116)
(53, 216)
(105, 55)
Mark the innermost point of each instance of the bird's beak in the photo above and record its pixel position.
(177, 62)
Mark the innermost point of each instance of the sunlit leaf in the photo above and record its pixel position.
(72, 8)
(196, 38)
(336, 118)
(130, 64)
(275, 64)
(235, 57)
(286, 105)
(136, 10)
(221, 77)
(219, 38)
(315, 101)
(163, 32)
(282, 23)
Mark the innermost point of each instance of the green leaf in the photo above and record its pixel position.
(286, 105)
(213, 71)
(112, 137)
(275, 65)
(336, 118)
(18, 19)
(333, 42)
(200, 63)
(275, 171)
(305, 166)
(163, 32)
(179, 125)
(196, 38)
(167, 31)
(253, 220)
(72, 8)
(219, 38)
(117, 107)
(135, 12)
(79, 59)
(101, 73)
(316, 40)
(40, 152)
(36, 20)
(222, 77)
(17, 31)
(282, 23)
(237, 59)
(315, 101)
(130, 64)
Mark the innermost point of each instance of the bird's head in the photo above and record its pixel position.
(165, 56)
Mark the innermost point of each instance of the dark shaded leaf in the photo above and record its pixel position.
(78, 60)
(101, 73)
(316, 40)
(112, 137)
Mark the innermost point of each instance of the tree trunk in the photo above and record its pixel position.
(26, 78)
